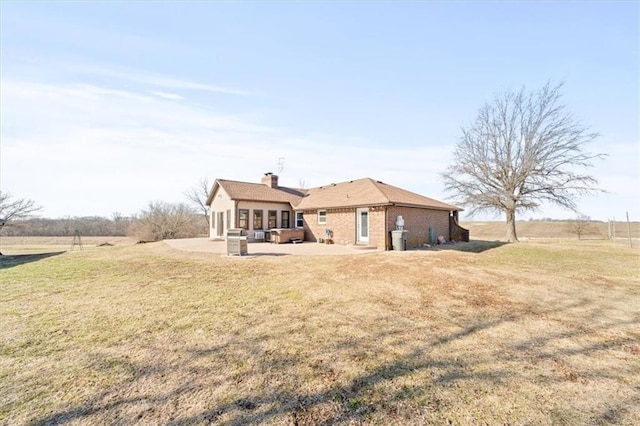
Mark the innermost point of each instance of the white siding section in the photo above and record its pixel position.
(221, 203)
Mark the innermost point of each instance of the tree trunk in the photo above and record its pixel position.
(512, 237)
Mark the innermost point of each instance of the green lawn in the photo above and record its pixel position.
(527, 333)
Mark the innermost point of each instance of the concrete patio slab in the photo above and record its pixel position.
(267, 249)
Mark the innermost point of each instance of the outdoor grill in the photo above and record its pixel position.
(236, 242)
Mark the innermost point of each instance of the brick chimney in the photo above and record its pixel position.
(270, 180)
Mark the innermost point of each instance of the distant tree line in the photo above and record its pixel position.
(160, 220)
(93, 226)
(550, 219)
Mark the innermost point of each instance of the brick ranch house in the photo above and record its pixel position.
(361, 211)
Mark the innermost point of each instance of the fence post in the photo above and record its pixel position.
(629, 231)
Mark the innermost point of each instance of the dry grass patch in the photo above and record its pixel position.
(524, 333)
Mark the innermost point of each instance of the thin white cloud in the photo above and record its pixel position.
(166, 95)
(104, 149)
(157, 80)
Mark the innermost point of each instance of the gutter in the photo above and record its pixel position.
(422, 206)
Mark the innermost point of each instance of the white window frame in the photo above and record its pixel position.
(299, 220)
(322, 222)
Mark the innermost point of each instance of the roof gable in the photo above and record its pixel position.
(248, 191)
(403, 197)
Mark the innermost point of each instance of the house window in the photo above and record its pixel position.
(243, 219)
(228, 218)
(212, 219)
(299, 220)
(257, 219)
(322, 217)
(273, 219)
(219, 231)
(284, 218)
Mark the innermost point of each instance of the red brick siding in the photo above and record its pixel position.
(381, 220)
(377, 231)
(312, 231)
(417, 222)
(342, 222)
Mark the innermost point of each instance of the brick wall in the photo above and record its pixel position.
(377, 231)
(381, 220)
(417, 222)
(342, 222)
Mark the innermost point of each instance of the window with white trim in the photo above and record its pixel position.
(322, 217)
(299, 220)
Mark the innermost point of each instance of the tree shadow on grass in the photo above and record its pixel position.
(473, 246)
(263, 254)
(11, 260)
(343, 401)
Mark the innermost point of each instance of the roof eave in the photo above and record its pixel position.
(424, 206)
(351, 206)
(262, 201)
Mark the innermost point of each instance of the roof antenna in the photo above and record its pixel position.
(280, 164)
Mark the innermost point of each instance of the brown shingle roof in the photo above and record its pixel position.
(354, 193)
(257, 192)
(365, 192)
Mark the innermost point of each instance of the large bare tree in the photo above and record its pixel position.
(12, 208)
(197, 196)
(523, 149)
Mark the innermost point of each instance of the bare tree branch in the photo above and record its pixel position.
(523, 149)
(16, 208)
(197, 196)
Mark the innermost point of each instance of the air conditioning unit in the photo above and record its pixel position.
(258, 235)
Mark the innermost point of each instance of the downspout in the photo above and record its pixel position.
(451, 221)
(386, 228)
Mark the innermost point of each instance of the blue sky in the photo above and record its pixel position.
(106, 106)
